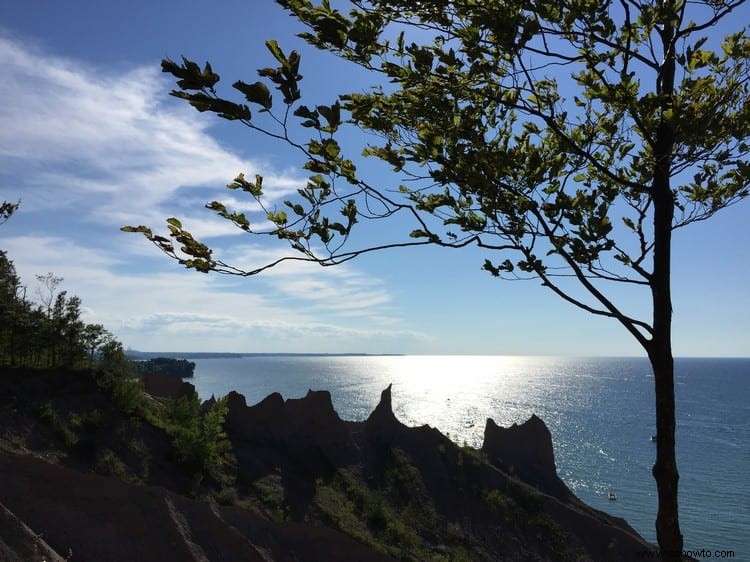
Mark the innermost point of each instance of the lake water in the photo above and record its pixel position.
(600, 412)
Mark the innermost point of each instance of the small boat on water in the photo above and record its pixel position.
(653, 438)
(612, 496)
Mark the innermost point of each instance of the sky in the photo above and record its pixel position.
(90, 140)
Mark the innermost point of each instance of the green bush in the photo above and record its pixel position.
(109, 464)
(524, 495)
(376, 513)
(60, 428)
(499, 504)
(127, 395)
(226, 496)
(199, 441)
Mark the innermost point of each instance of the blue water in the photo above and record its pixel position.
(600, 412)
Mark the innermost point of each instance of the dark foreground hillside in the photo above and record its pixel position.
(90, 472)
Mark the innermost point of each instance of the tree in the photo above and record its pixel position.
(112, 358)
(94, 336)
(7, 209)
(52, 306)
(28, 333)
(10, 309)
(51, 334)
(73, 348)
(573, 138)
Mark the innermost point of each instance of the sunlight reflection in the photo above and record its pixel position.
(598, 410)
(457, 393)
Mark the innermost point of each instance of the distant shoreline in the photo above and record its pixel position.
(142, 355)
(138, 355)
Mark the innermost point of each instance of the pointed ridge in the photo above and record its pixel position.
(383, 414)
(385, 399)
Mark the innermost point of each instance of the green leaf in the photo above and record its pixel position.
(210, 78)
(142, 229)
(255, 93)
(217, 206)
(294, 60)
(331, 148)
(190, 75)
(273, 46)
(279, 218)
(332, 114)
(310, 116)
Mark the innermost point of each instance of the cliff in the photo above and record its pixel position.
(305, 485)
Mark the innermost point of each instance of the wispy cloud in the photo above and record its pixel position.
(90, 149)
(294, 309)
(112, 142)
(341, 289)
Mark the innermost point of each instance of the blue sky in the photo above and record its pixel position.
(90, 141)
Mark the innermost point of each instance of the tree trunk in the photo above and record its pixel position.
(660, 347)
(660, 354)
(665, 473)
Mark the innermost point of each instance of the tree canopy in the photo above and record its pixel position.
(517, 133)
(571, 138)
(531, 130)
(48, 334)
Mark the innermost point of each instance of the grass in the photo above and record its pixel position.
(394, 515)
(523, 507)
(270, 492)
(109, 464)
(49, 414)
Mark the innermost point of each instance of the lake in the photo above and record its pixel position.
(600, 412)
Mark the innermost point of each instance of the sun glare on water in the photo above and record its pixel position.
(456, 394)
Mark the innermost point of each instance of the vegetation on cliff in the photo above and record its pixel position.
(72, 391)
(278, 467)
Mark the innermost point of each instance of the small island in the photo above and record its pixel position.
(165, 366)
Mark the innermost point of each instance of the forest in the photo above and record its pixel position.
(44, 328)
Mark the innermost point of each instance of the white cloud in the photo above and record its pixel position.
(341, 289)
(168, 307)
(110, 144)
(93, 149)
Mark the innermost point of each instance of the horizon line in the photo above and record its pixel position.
(371, 354)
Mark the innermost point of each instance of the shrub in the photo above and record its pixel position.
(226, 496)
(60, 428)
(200, 442)
(127, 395)
(499, 504)
(109, 464)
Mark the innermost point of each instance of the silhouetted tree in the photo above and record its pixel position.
(572, 138)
